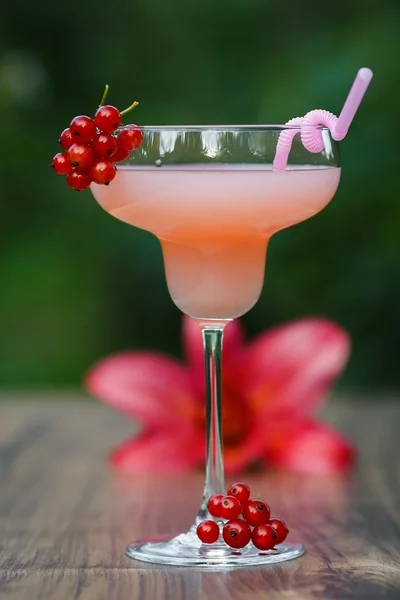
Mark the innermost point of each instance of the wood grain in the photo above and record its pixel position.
(65, 517)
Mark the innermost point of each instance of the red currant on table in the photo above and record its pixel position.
(81, 156)
(281, 529)
(83, 129)
(61, 164)
(240, 490)
(229, 507)
(108, 118)
(264, 537)
(208, 532)
(78, 181)
(104, 145)
(102, 171)
(213, 505)
(256, 512)
(236, 533)
(66, 140)
(130, 137)
(120, 154)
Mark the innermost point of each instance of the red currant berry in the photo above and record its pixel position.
(66, 140)
(108, 118)
(104, 145)
(81, 156)
(236, 533)
(120, 154)
(256, 512)
(61, 164)
(264, 537)
(208, 532)
(130, 137)
(240, 490)
(83, 129)
(281, 529)
(213, 505)
(229, 507)
(102, 171)
(78, 181)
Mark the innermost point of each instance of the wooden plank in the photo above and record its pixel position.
(65, 518)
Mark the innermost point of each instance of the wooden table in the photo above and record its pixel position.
(65, 517)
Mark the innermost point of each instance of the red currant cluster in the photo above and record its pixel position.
(92, 147)
(255, 525)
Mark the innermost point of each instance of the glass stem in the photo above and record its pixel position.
(214, 484)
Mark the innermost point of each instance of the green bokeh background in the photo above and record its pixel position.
(76, 284)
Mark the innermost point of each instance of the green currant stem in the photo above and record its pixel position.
(103, 99)
(131, 107)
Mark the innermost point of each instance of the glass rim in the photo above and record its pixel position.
(276, 128)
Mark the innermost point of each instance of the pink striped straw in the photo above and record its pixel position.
(352, 103)
(284, 144)
(311, 135)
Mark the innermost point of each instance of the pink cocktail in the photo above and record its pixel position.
(212, 198)
(214, 223)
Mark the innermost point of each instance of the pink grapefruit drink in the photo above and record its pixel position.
(214, 222)
(213, 198)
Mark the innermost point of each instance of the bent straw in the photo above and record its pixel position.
(311, 136)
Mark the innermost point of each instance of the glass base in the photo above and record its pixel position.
(186, 550)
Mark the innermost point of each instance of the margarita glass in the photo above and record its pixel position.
(212, 198)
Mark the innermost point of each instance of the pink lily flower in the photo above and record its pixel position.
(272, 386)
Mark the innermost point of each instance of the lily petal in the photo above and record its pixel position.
(158, 452)
(193, 347)
(313, 448)
(288, 371)
(152, 388)
(237, 458)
